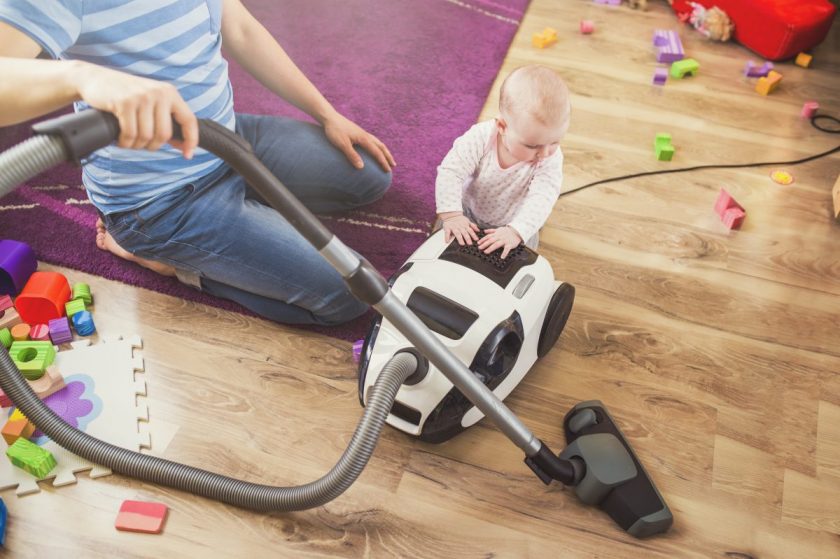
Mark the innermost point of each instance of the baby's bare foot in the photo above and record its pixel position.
(105, 241)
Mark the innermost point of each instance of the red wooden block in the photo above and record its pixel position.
(140, 516)
(724, 202)
(733, 218)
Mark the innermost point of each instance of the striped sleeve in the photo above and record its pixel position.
(53, 24)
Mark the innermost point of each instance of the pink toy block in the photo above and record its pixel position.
(668, 46)
(809, 109)
(140, 516)
(5, 302)
(586, 26)
(40, 332)
(733, 218)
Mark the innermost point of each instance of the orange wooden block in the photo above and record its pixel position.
(835, 193)
(14, 429)
(545, 38)
(803, 59)
(20, 332)
(9, 317)
(766, 85)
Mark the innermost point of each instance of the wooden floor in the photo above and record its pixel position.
(718, 352)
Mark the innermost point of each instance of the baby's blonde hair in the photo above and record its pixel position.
(536, 91)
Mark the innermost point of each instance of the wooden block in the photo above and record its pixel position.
(140, 516)
(766, 85)
(31, 457)
(20, 332)
(73, 306)
(835, 193)
(6, 337)
(9, 318)
(15, 429)
(40, 332)
(47, 385)
(5, 302)
(32, 358)
(803, 59)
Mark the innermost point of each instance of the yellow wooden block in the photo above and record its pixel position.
(544, 38)
(766, 85)
(17, 415)
(803, 59)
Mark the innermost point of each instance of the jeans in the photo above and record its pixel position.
(223, 239)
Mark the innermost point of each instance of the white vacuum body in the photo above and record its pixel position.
(497, 316)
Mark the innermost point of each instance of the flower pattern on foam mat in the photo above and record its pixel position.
(76, 403)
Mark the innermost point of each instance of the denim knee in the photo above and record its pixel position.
(343, 309)
(373, 182)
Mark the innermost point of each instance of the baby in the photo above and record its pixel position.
(504, 175)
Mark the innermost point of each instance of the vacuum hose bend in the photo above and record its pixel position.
(208, 484)
(27, 159)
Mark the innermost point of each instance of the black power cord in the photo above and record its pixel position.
(814, 120)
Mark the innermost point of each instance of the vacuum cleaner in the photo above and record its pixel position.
(498, 315)
(598, 461)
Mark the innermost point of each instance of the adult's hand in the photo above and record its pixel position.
(344, 134)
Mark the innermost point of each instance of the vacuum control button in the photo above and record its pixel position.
(523, 286)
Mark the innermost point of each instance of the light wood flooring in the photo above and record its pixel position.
(718, 352)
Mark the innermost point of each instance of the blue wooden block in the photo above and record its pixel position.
(3, 515)
(83, 323)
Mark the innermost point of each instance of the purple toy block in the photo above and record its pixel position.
(60, 331)
(609, 2)
(357, 350)
(660, 76)
(751, 71)
(668, 46)
(17, 263)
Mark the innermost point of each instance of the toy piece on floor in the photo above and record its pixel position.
(809, 109)
(40, 332)
(753, 71)
(31, 458)
(32, 358)
(662, 147)
(141, 516)
(82, 291)
(357, 350)
(544, 38)
(685, 66)
(781, 176)
(766, 85)
(74, 306)
(60, 331)
(803, 59)
(20, 332)
(835, 194)
(731, 212)
(43, 297)
(660, 76)
(4, 514)
(17, 264)
(586, 27)
(83, 323)
(6, 337)
(668, 46)
(17, 426)
(609, 2)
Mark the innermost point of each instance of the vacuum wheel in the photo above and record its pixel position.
(556, 316)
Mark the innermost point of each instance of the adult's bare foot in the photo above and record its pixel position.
(105, 241)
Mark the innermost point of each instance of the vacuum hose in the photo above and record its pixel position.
(42, 152)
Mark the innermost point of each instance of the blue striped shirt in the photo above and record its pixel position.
(177, 41)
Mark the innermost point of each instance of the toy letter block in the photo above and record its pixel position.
(17, 264)
(668, 46)
(32, 358)
(835, 193)
(809, 109)
(544, 38)
(31, 457)
(682, 67)
(43, 297)
(60, 331)
(662, 147)
(803, 59)
(731, 212)
(586, 27)
(660, 76)
(139, 516)
(765, 86)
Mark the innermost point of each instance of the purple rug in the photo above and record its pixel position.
(414, 72)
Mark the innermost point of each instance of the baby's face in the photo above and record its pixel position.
(528, 139)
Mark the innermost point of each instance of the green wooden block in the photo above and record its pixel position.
(685, 66)
(662, 147)
(82, 291)
(6, 338)
(31, 457)
(32, 358)
(74, 306)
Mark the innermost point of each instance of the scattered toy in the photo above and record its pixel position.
(586, 27)
(83, 323)
(43, 297)
(782, 177)
(662, 147)
(668, 46)
(731, 212)
(685, 66)
(141, 516)
(60, 331)
(803, 59)
(31, 458)
(660, 76)
(766, 85)
(357, 350)
(753, 71)
(835, 193)
(544, 38)
(809, 109)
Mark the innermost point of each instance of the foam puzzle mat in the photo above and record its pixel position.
(102, 397)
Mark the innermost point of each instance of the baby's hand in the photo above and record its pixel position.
(460, 227)
(495, 239)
